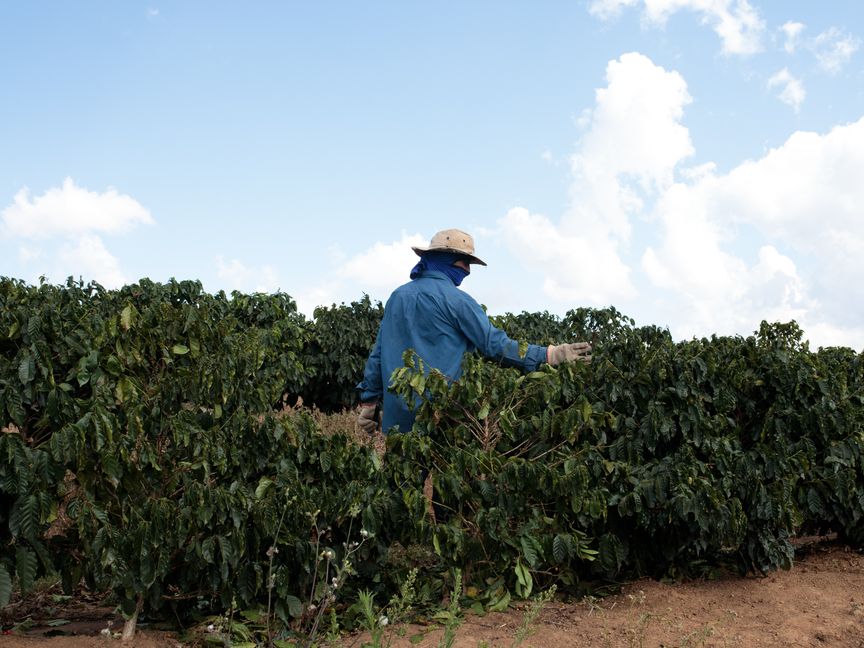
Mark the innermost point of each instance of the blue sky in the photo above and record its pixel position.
(696, 163)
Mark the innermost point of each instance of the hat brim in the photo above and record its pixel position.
(419, 251)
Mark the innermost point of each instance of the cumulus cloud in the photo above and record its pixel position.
(736, 22)
(236, 275)
(833, 49)
(384, 266)
(606, 9)
(71, 210)
(635, 128)
(791, 90)
(577, 268)
(792, 33)
(87, 257)
(632, 143)
(710, 288)
(376, 271)
(60, 232)
(778, 238)
(803, 198)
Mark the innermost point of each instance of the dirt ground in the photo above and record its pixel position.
(819, 602)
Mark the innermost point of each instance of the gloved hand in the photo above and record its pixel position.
(366, 420)
(578, 351)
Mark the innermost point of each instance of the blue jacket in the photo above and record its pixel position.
(440, 322)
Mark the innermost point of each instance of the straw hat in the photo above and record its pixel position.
(451, 240)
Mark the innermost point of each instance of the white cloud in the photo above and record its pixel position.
(635, 127)
(803, 196)
(825, 334)
(632, 142)
(28, 253)
(72, 210)
(376, 271)
(236, 275)
(87, 257)
(792, 91)
(606, 9)
(833, 49)
(792, 32)
(777, 238)
(776, 290)
(59, 233)
(577, 268)
(384, 266)
(736, 22)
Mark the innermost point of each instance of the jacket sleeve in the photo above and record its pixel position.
(492, 342)
(371, 388)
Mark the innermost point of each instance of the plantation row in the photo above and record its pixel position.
(145, 449)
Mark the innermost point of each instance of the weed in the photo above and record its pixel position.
(636, 635)
(531, 613)
(380, 623)
(698, 637)
(453, 614)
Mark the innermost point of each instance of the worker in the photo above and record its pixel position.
(440, 322)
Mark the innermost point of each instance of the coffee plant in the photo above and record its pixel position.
(146, 448)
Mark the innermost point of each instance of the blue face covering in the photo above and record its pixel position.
(442, 262)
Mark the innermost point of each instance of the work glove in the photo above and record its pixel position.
(366, 420)
(578, 351)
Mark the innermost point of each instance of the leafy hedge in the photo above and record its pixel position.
(143, 448)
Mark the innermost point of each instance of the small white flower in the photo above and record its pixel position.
(105, 632)
(329, 554)
(312, 607)
(383, 620)
(211, 628)
(364, 533)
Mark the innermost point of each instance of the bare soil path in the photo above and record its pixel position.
(818, 603)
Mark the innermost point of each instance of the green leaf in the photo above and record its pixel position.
(295, 607)
(29, 516)
(263, 484)
(525, 582)
(27, 369)
(559, 548)
(111, 466)
(25, 566)
(5, 587)
(501, 603)
(814, 502)
(124, 390)
(126, 317)
(484, 411)
(179, 349)
(529, 550)
(53, 623)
